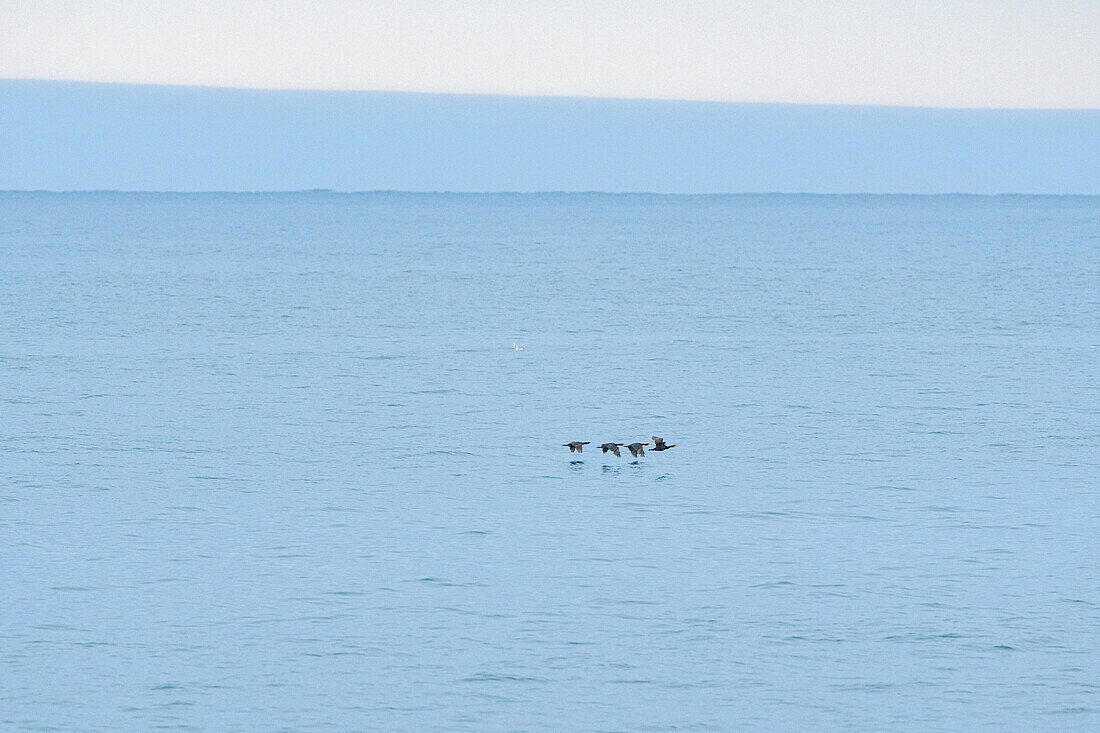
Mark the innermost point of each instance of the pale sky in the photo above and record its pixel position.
(938, 53)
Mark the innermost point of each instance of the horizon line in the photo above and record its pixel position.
(549, 192)
(553, 97)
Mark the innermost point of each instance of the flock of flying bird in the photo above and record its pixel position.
(636, 449)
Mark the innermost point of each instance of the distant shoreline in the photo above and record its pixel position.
(84, 136)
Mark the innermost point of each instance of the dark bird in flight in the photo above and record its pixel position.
(613, 447)
(577, 446)
(637, 449)
(659, 444)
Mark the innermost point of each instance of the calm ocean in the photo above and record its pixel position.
(271, 462)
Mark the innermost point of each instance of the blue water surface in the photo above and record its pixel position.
(294, 462)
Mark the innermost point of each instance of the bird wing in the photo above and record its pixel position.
(615, 450)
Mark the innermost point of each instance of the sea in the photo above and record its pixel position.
(295, 462)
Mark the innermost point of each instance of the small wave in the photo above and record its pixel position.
(489, 677)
